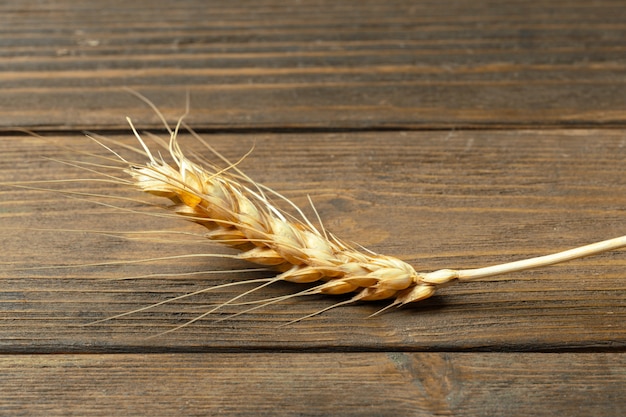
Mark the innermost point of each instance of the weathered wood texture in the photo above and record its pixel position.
(313, 86)
(322, 64)
(436, 199)
(347, 384)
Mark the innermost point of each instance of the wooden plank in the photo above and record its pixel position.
(340, 384)
(315, 64)
(435, 199)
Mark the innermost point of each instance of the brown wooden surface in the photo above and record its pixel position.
(313, 86)
(322, 64)
(391, 383)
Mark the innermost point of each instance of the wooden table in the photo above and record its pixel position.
(449, 134)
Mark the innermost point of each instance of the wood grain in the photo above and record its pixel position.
(347, 384)
(449, 133)
(315, 64)
(438, 200)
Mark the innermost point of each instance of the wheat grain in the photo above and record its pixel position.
(244, 217)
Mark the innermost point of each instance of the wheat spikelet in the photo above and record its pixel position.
(244, 217)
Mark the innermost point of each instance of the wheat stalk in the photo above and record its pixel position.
(240, 213)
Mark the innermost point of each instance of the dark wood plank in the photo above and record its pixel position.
(357, 384)
(315, 64)
(436, 199)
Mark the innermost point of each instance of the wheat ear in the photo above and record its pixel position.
(240, 213)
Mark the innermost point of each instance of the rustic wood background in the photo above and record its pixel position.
(448, 133)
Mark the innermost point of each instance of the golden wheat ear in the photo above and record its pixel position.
(240, 213)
